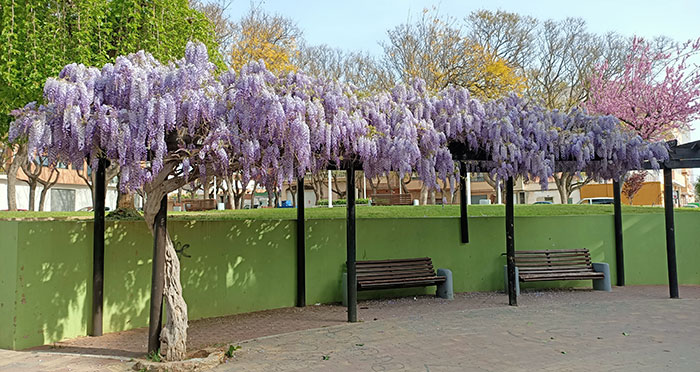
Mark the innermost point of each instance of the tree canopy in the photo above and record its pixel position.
(276, 128)
(656, 93)
(40, 37)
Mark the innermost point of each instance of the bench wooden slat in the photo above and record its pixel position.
(554, 265)
(396, 268)
(407, 263)
(553, 251)
(419, 278)
(533, 270)
(365, 278)
(553, 259)
(396, 261)
(561, 274)
(570, 276)
(418, 282)
(549, 269)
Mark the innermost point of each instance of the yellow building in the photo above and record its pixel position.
(652, 192)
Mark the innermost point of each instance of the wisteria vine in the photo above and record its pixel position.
(142, 114)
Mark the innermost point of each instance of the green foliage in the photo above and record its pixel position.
(154, 356)
(124, 214)
(39, 37)
(231, 349)
(342, 201)
(697, 189)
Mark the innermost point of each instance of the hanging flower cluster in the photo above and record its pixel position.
(144, 114)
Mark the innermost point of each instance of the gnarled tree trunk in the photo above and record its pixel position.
(173, 336)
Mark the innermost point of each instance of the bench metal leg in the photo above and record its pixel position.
(517, 281)
(445, 289)
(602, 284)
(344, 289)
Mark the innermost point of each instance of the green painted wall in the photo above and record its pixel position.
(54, 267)
(241, 266)
(645, 249)
(8, 283)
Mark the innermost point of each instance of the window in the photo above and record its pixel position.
(477, 177)
(522, 198)
(62, 200)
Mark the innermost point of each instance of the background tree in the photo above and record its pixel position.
(633, 183)
(510, 36)
(658, 92)
(262, 36)
(360, 69)
(224, 30)
(38, 175)
(437, 50)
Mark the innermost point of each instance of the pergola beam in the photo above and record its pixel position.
(301, 245)
(670, 234)
(619, 249)
(351, 247)
(98, 247)
(463, 220)
(510, 244)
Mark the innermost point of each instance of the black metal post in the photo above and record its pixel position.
(510, 243)
(619, 251)
(670, 234)
(157, 277)
(301, 245)
(98, 248)
(352, 255)
(463, 222)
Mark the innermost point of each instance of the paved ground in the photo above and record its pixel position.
(639, 335)
(39, 361)
(632, 328)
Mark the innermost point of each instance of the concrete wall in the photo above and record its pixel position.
(242, 266)
(83, 196)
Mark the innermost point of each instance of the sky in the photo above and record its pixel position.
(362, 24)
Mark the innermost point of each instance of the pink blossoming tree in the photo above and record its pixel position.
(657, 92)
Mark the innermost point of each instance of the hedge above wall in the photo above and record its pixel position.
(237, 266)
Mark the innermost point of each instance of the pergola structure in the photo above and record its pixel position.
(681, 156)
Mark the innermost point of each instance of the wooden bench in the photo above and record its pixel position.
(559, 264)
(401, 273)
